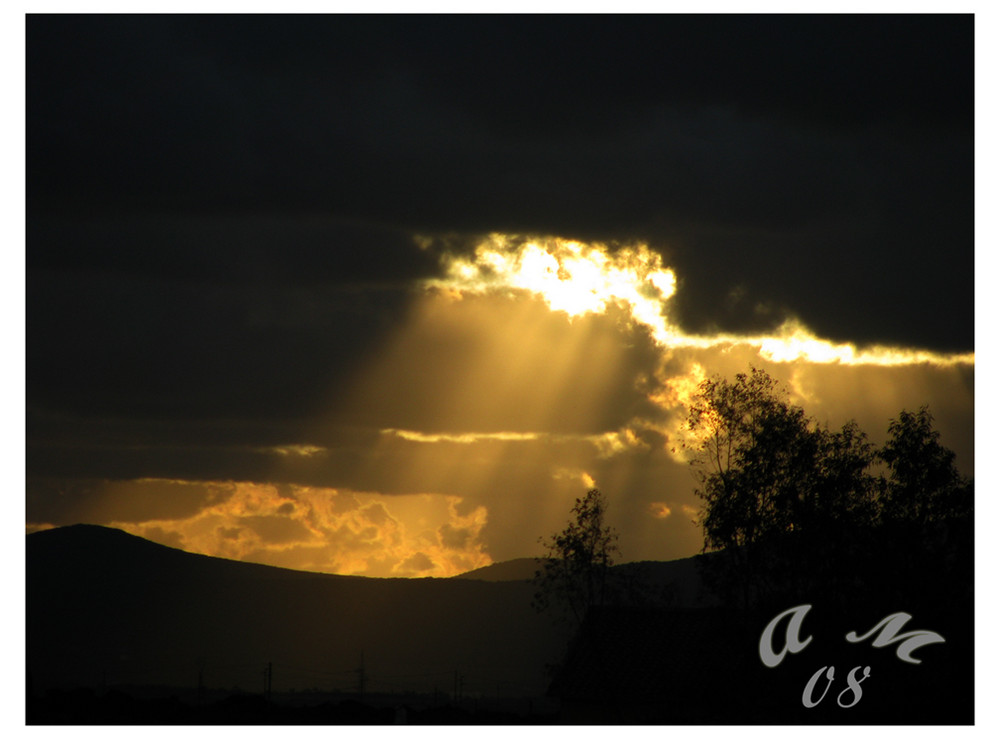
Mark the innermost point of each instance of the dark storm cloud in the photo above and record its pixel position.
(175, 348)
(249, 248)
(729, 142)
(257, 110)
(99, 501)
(221, 210)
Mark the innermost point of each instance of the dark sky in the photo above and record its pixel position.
(221, 210)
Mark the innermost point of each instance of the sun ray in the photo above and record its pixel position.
(532, 369)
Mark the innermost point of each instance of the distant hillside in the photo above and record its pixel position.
(519, 569)
(676, 581)
(105, 607)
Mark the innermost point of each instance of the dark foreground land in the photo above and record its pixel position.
(124, 631)
(84, 706)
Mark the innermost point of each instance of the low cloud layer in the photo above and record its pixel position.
(315, 529)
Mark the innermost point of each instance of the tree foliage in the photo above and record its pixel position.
(926, 512)
(765, 468)
(794, 507)
(923, 484)
(574, 574)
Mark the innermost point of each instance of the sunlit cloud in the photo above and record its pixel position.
(328, 530)
(689, 511)
(294, 451)
(659, 510)
(572, 277)
(620, 441)
(464, 438)
(794, 342)
(607, 444)
(585, 480)
(578, 278)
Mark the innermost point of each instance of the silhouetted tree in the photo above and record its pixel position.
(923, 483)
(751, 441)
(575, 571)
(776, 488)
(797, 510)
(926, 514)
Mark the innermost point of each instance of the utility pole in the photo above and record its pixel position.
(361, 677)
(269, 680)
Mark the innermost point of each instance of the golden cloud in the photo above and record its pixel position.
(630, 283)
(659, 510)
(588, 278)
(294, 451)
(464, 438)
(690, 511)
(330, 530)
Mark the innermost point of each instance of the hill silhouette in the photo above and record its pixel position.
(674, 582)
(107, 608)
(519, 569)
